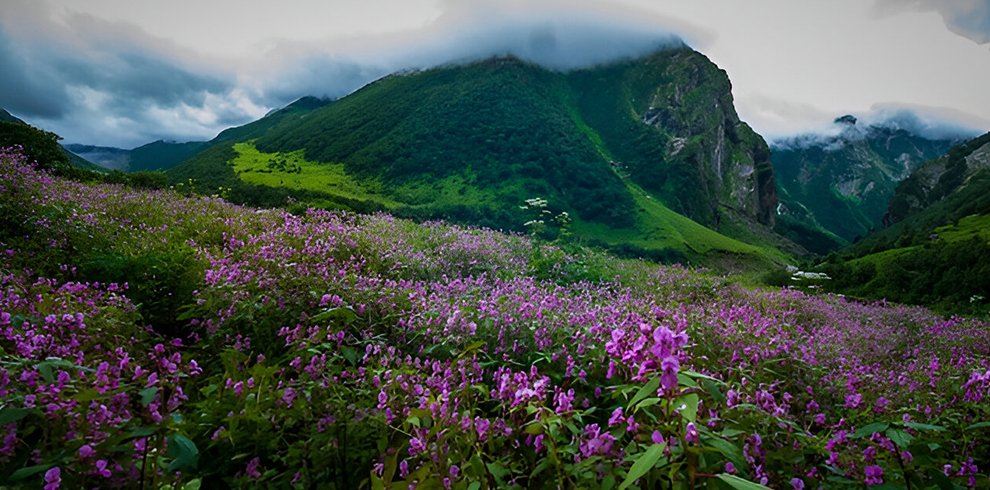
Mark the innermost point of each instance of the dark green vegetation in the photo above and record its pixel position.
(162, 155)
(835, 190)
(628, 150)
(935, 250)
(8, 117)
(39, 145)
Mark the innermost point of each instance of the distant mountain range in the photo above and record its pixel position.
(935, 246)
(835, 189)
(158, 155)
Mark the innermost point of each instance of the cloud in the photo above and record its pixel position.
(968, 18)
(112, 83)
(935, 123)
(554, 34)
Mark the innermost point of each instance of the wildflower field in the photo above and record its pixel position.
(150, 339)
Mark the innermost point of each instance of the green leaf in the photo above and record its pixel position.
(376, 482)
(498, 471)
(698, 375)
(470, 348)
(739, 483)
(193, 484)
(644, 463)
(901, 438)
(148, 395)
(917, 426)
(475, 485)
(183, 451)
(869, 429)
(731, 451)
(649, 402)
(13, 414)
(689, 403)
(534, 428)
(343, 314)
(140, 432)
(978, 425)
(28, 471)
(351, 355)
(684, 380)
(650, 388)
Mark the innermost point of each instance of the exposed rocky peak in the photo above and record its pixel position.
(690, 102)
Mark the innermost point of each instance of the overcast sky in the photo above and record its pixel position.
(125, 72)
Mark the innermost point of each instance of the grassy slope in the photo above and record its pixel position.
(161, 155)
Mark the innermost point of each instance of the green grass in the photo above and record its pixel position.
(967, 229)
(660, 228)
(292, 171)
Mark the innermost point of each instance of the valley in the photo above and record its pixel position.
(538, 256)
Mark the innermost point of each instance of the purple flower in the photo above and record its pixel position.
(252, 468)
(691, 433)
(616, 417)
(874, 475)
(288, 396)
(669, 366)
(854, 400)
(730, 468)
(101, 468)
(797, 484)
(657, 437)
(86, 451)
(53, 478)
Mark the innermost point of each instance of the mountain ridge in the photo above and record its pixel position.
(504, 130)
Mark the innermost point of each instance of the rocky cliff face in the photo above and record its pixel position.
(698, 109)
(707, 163)
(841, 184)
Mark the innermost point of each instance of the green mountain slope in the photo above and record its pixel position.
(162, 155)
(628, 149)
(836, 189)
(8, 117)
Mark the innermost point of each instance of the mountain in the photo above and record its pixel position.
(835, 189)
(955, 178)
(104, 156)
(8, 117)
(935, 248)
(158, 155)
(642, 152)
(162, 155)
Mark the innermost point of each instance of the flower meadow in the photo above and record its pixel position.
(151, 339)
